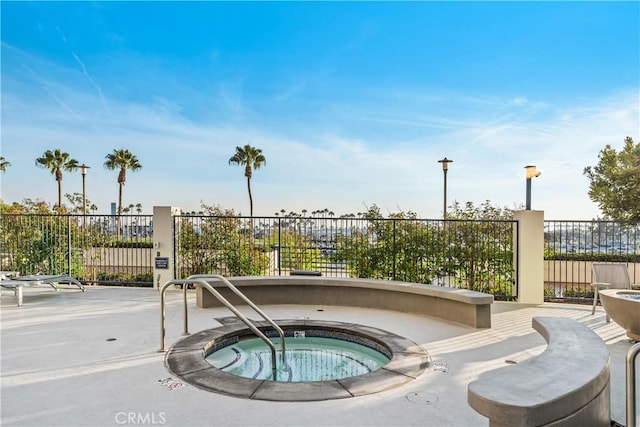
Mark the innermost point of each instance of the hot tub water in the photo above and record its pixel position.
(307, 359)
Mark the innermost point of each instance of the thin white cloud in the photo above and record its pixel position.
(64, 39)
(289, 92)
(91, 80)
(375, 150)
(231, 93)
(66, 107)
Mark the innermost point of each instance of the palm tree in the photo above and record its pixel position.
(56, 161)
(251, 158)
(122, 159)
(4, 164)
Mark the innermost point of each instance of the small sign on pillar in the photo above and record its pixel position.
(162, 263)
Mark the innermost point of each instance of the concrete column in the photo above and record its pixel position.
(530, 256)
(163, 250)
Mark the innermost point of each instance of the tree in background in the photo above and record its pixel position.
(395, 248)
(131, 207)
(615, 181)
(215, 244)
(122, 159)
(480, 247)
(28, 206)
(296, 238)
(36, 239)
(4, 164)
(472, 249)
(57, 161)
(77, 203)
(251, 158)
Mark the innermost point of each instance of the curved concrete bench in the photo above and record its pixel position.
(456, 305)
(567, 385)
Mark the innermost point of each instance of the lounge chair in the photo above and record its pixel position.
(17, 283)
(609, 276)
(8, 274)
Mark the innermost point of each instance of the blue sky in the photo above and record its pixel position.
(351, 103)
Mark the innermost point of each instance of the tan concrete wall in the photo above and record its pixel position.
(455, 305)
(163, 242)
(578, 272)
(530, 256)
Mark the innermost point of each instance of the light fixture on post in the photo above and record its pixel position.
(530, 172)
(445, 167)
(83, 171)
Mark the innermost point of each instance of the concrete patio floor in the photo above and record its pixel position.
(91, 359)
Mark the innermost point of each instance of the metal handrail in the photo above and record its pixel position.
(244, 298)
(632, 354)
(223, 300)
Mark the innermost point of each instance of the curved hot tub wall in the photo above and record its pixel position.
(455, 305)
(186, 360)
(624, 311)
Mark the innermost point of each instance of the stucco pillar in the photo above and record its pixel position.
(163, 249)
(530, 246)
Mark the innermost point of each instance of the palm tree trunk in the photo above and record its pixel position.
(59, 193)
(250, 197)
(119, 210)
(119, 199)
(250, 214)
(59, 180)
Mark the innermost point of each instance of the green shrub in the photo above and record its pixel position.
(144, 277)
(145, 243)
(596, 257)
(501, 292)
(114, 277)
(578, 293)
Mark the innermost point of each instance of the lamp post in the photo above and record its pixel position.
(530, 172)
(83, 171)
(445, 167)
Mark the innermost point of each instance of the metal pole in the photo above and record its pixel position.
(631, 383)
(201, 283)
(69, 244)
(445, 167)
(84, 195)
(83, 172)
(530, 172)
(279, 247)
(394, 249)
(444, 209)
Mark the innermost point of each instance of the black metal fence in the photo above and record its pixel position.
(475, 255)
(480, 255)
(101, 249)
(572, 246)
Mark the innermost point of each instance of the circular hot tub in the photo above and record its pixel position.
(378, 360)
(309, 355)
(623, 306)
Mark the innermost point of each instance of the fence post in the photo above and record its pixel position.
(279, 247)
(394, 249)
(69, 245)
(530, 256)
(163, 244)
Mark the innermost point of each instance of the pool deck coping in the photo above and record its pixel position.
(186, 360)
